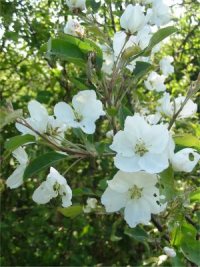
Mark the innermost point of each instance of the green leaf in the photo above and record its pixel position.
(191, 248)
(71, 212)
(159, 36)
(137, 233)
(94, 5)
(7, 116)
(187, 140)
(16, 141)
(141, 69)
(167, 187)
(64, 50)
(195, 196)
(122, 114)
(42, 162)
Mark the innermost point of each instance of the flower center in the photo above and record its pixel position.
(78, 116)
(140, 148)
(56, 186)
(135, 192)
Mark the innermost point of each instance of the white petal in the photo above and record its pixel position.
(154, 163)
(43, 193)
(122, 145)
(127, 164)
(16, 178)
(55, 176)
(88, 126)
(20, 155)
(113, 201)
(24, 130)
(64, 113)
(37, 111)
(137, 211)
(66, 193)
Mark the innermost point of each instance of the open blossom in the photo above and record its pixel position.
(86, 110)
(133, 18)
(73, 27)
(170, 252)
(136, 193)
(54, 185)
(159, 14)
(40, 121)
(168, 107)
(165, 65)
(185, 160)
(91, 205)
(141, 146)
(16, 178)
(155, 82)
(76, 4)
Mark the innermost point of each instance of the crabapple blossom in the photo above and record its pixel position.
(73, 27)
(155, 82)
(159, 14)
(76, 4)
(136, 193)
(133, 18)
(141, 146)
(185, 160)
(16, 178)
(54, 185)
(86, 110)
(169, 108)
(170, 252)
(165, 65)
(91, 205)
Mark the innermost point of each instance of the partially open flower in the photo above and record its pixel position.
(155, 82)
(165, 65)
(73, 27)
(76, 4)
(54, 185)
(136, 193)
(87, 109)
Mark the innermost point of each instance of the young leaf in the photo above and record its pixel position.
(19, 140)
(7, 116)
(122, 114)
(71, 212)
(141, 69)
(167, 187)
(42, 162)
(187, 140)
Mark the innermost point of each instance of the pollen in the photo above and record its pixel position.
(135, 192)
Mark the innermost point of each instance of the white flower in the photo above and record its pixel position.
(141, 146)
(73, 27)
(170, 252)
(87, 109)
(165, 65)
(159, 14)
(133, 18)
(16, 178)
(155, 82)
(54, 185)
(169, 108)
(38, 119)
(137, 193)
(153, 118)
(185, 160)
(76, 4)
(91, 205)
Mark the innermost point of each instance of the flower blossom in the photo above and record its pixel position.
(165, 65)
(141, 146)
(155, 82)
(136, 193)
(169, 108)
(54, 185)
(91, 205)
(185, 160)
(87, 109)
(159, 14)
(133, 18)
(16, 178)
(73, 27)
(76, 4)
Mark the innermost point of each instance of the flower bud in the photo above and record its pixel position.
(170, 252)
